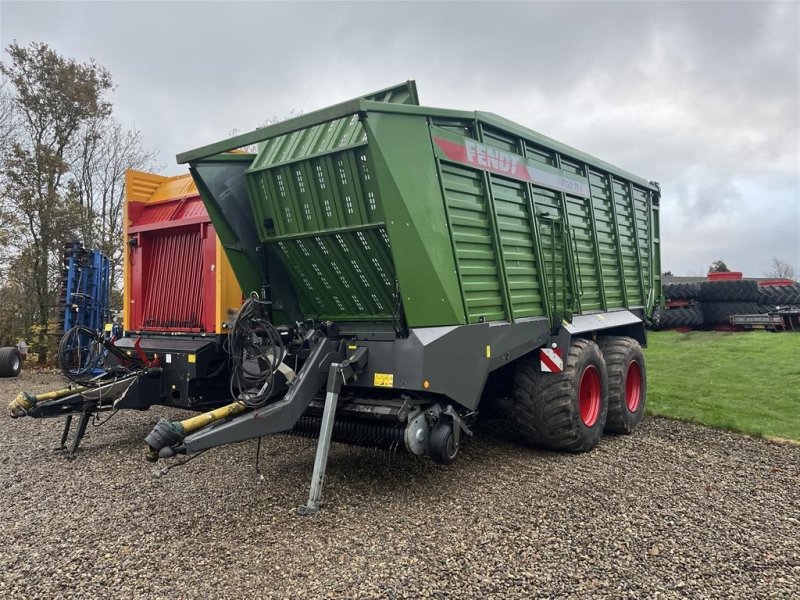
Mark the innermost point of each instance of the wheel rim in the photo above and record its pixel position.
(452, 449)
(589, 396)
(15, 364)
(633, 386)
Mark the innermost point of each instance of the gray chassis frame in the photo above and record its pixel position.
(455, 361)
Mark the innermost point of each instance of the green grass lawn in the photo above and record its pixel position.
(746, 382)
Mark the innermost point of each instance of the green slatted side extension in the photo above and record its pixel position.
(319, 139)
(641, 198)
(345, 275)
(314, 197)
(630, 261)
(551, 224)
(607, 238)
(584, 250)
(474, 243)
(517, 241)
(326, 192)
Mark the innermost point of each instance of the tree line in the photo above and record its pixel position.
(63, 157)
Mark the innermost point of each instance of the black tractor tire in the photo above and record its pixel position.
(546, 407)
(627, 383)
(682, 291)
(442, 446)
(690, 316)
(767, 294)
(10, 362)
(736, 290)
(779, 294)
(719, 313)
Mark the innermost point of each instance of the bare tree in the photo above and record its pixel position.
(63, 159)
(780, 269)
(54, 98)
(106, 151)
(6, 117)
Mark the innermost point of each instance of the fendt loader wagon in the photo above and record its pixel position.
(398, 260)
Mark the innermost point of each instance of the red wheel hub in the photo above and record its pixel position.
(589, 396)
(633, 386)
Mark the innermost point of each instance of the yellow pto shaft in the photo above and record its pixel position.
(199, 421)
(20, 405)
(167, 434)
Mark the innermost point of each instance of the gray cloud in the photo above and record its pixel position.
(702, 97)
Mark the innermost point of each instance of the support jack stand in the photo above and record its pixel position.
(77, 437)
(339, 374)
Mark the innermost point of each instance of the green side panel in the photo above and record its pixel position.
(474, 243)
(544, 238)
(553, 243)
(607, 238)
(643, 224)
(515, 224)
(315, 200)
(584, 251)
(404, 167)
(655, 245)
(346, 275)
(630, 263)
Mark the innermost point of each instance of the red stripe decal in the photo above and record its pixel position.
(494, 160)
(549, 362)
(452, 150)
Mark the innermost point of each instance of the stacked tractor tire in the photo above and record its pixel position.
(773, 298)
(710, 304)
(683, 307)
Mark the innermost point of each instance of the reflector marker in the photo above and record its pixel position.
(551, 360)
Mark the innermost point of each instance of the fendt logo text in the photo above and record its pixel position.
(491, 158)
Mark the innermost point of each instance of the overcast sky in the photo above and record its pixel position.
(704, 98)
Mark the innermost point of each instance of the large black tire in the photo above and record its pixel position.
(736, 290)
(10, 362)
(719, 313)
(627, 383)
(779, 294)
(682, 291)
(691, 316)
(546, 407)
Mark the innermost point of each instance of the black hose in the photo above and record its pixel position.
(82, 350)
(256, 351)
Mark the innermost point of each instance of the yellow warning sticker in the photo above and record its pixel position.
(488, 352)
(192, 358)
(383, 380)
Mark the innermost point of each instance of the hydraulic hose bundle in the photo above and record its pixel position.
(81, 357)
(256, 352)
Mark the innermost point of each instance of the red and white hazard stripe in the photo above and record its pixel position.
(552, 360)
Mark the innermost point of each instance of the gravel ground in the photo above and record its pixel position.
(673, 511)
